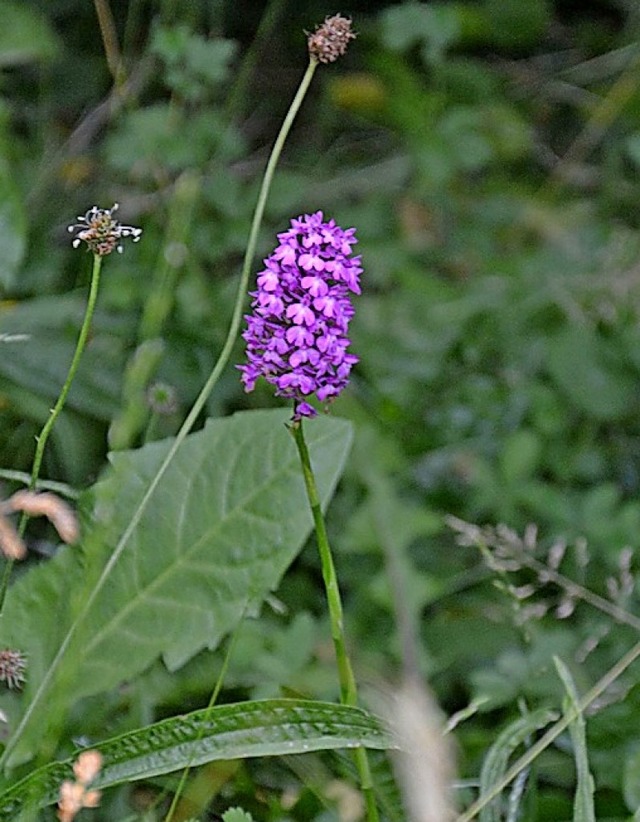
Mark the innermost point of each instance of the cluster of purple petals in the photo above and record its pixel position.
(297, 333)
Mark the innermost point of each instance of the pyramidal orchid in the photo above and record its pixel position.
(296, 334)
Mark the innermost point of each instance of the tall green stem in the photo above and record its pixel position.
(348, 688)
(41, 441)
(189, 422)
(75, 362)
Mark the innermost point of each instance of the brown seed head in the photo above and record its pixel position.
(13, 665)
(330, 40)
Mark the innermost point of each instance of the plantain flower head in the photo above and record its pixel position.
(101, 231)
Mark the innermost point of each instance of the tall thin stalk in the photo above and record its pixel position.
(75, 362)
(348, 687)
(41, 440)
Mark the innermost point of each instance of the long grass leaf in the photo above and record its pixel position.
(497, 759)
(583, 808)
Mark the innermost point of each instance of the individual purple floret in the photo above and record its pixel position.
(297, 334)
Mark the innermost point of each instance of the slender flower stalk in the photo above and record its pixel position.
(102, 234)
(348, 687)
(55, 411)
(75, 362)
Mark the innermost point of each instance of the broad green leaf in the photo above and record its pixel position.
(248, 729)
(583, 809)
(496, 761)
(437, 27)
(39, 360)
(153, 137)
(520, 456)
(225, 522)
(13, 225)
(72, 449)
(592, 374)
(25, 35)
(631, 782)
(632, 145)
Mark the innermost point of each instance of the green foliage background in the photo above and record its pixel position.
(488, 154)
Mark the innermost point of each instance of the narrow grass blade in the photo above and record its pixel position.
(497, 759)
(583, 808)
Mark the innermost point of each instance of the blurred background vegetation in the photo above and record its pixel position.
(488, 152)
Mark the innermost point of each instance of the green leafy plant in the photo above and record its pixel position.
(477, 508)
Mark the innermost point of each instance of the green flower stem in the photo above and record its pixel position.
(151, 430)
(187, 425)
(57, 408)
(348, 688)
(75, 362)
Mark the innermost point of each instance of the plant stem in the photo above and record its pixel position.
(75, 362)
(110, 41)
(348, 688)
(190, 419)
(41, 441)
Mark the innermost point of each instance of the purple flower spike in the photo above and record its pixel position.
(297, 334)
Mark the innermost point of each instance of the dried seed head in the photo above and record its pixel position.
(330, 40)
(101, 232)
(13, 665)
